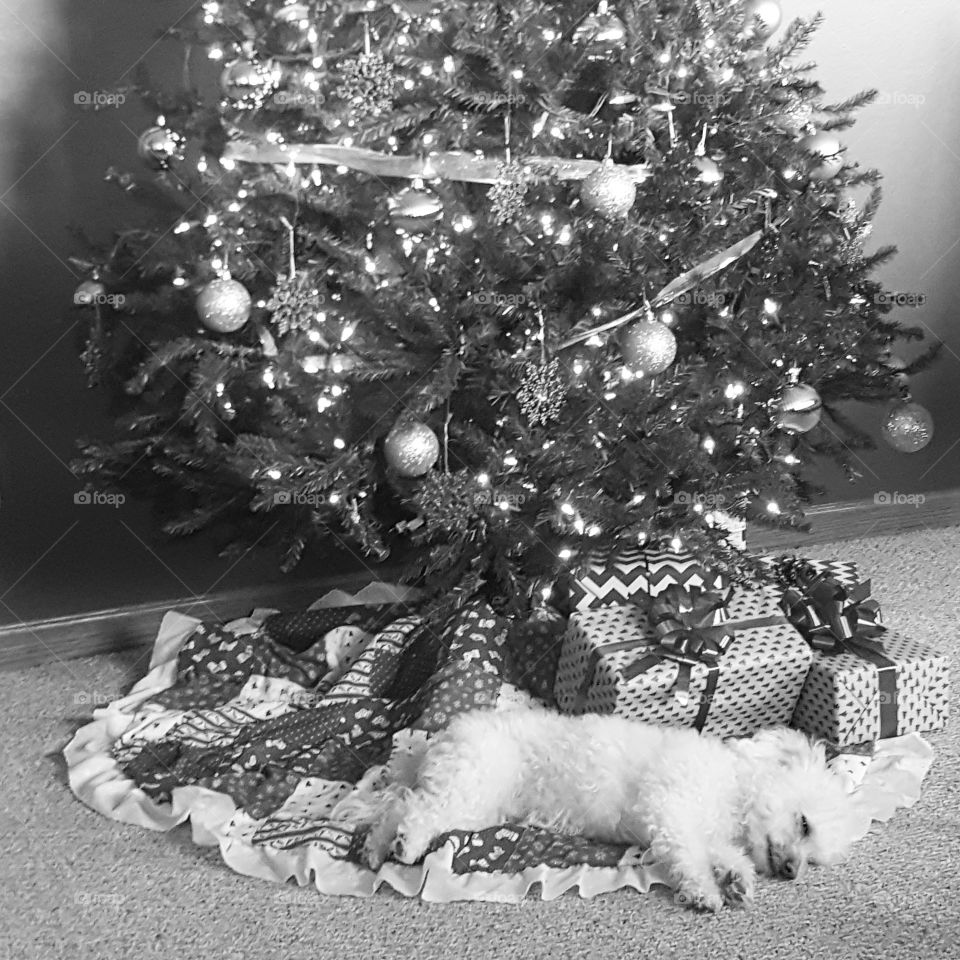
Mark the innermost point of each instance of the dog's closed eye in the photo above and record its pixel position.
(804, 826)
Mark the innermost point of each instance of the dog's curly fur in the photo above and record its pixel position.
(715, 813)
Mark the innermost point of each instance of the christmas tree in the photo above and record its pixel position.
(487, 286)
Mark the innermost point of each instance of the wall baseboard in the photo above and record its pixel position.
(108, 631)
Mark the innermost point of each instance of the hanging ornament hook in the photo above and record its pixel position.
(291, 237)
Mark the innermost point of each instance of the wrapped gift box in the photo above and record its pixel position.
(637, 574)
(845, 571)
(848, 699)
(865, 683)
(754, 683)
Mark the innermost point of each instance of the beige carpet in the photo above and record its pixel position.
(78, 886)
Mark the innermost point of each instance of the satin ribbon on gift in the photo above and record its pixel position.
(689, 628)
(834, 619)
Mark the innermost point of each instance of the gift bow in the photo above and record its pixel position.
(831, 617)
(689, 629)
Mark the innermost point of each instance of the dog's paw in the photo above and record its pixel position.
(736, 886)
(697, 898)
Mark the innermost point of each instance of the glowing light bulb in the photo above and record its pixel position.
(676, 543)
(773, 507)
(334, 497)
(339, 443)
(709, 444)
(565, 554)
(483, 479)
(274, 474)
(567, 509)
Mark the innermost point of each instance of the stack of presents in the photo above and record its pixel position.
(657, 637)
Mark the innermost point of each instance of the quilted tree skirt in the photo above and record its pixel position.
(256, 730)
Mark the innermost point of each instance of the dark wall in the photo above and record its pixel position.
(59, 557)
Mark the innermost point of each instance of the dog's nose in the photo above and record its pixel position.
(788, 869)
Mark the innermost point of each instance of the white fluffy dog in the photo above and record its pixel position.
(715, 813)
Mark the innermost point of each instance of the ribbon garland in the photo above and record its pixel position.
(463, 167)
(834, 619)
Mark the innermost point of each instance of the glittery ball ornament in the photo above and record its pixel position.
(543, 389)
(159, 147)
(908, 428)
(648, 347)
(224, 305)
(762, 18)
(413, 209)
(609, 191)
(368, 84)
(411, 448)
(602, 33)
(826, 148)
(800, 408)
(250, 82)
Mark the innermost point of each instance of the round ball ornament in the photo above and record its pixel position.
(249, 82)
(609, 191)
(648, 347)
(908, 427)
(602, 33)
(224, 305)
(800, 408)
(159, 147)
(826, 147)
(88, 293)
(413, 209)
(762, 18)
(411, 448)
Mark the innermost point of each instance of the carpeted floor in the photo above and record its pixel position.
(79, 886)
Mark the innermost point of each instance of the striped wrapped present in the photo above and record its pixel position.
(633, 574)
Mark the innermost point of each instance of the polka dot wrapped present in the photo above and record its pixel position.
(726, 664)
(866, 682)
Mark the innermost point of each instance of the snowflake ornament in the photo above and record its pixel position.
(368, 84)
(295, 303)
(508, 194)
(543, 390)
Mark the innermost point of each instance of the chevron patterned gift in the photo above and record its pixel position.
(848, 700)
(635, 574)
(605, 667)
(845, 571)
